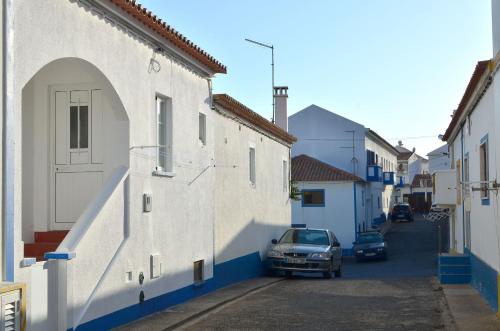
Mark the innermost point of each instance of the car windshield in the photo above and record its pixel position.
(305, 237)
(401, 208)
(370, 238)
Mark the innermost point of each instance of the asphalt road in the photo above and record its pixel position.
(397, 294)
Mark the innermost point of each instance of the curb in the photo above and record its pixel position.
(221, 304)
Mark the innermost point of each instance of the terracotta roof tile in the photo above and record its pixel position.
(249, 115)
(481, 67)
(426, 178)
(308, 169)
(151, 21)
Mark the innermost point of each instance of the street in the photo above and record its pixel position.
(397, 294)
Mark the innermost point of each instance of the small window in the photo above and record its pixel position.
(198, 274)
(285, 176)
(313, 198)
(164, 134)
(252, 165)
(202, 128)
(483, 168)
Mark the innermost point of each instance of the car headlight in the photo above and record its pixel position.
(273, 253)
(359, 251)
(324, 255)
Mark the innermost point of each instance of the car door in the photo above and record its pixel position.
(336, 250)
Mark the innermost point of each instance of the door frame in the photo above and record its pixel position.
(52, 225)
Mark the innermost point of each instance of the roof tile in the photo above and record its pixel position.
(308, 169)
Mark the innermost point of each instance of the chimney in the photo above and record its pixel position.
(413, 149)
(280, 106)
(400, 143)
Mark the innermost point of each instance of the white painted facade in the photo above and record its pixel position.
(113, 240)
(341, 213)
(328, 137)
(439, 159)
(248, 216)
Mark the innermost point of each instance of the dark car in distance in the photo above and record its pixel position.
(370, 245)
(402, 212)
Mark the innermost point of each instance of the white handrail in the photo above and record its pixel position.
(84, 222)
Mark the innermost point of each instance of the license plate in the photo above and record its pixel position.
(401, 215)
(295, 260)
(370, 254)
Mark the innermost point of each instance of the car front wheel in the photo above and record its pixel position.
(338, 272)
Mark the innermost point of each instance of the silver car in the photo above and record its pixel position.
(306, 250)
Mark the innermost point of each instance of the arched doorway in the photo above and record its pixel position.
(75, 132)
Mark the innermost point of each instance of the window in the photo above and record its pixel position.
(252, 165)
(202, 128)
(483, 167)
(164, 134)
(313, 198)
(198, 274)
(285, 176)
(79, 127)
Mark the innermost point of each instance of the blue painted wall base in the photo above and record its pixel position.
(485, 280)
(242, 268)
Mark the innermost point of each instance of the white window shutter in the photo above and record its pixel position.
(11, 315)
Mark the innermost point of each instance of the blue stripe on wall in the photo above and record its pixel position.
(241, 268)
(485, 280)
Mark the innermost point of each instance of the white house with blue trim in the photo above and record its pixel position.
(331, 198)
(349, 146)
(113, 154)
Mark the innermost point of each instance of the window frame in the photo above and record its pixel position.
(202, 128)
(484, 171)
(252, 165)
(165, 169)
(307, 205)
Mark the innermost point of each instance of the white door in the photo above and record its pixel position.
(78, 160)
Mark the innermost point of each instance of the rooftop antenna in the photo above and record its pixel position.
(271, 47)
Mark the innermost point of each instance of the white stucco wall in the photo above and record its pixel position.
(180, 227)
(484, 224)
(247, 217)
(322, 135)
(495, 13)
(337, 214)
(439, 159)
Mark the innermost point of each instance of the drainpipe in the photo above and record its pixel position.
(7, 146)
(461, 188)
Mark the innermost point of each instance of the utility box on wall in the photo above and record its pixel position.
(147, 202)
(444, 187)
(155, 265)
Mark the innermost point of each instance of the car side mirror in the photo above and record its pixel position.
(336, 244)
(274, 241)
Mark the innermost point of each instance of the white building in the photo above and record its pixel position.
(252, 192)
(439, 159)
(110, 135)
(331, 199)
(470, 186)
(411, 165)
(351, 147)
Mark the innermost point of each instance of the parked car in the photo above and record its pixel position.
(402, 211)
(306, 250)
(370, 245)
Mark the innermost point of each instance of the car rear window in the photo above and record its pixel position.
(401, 208)
(370, 238)
(305, 237)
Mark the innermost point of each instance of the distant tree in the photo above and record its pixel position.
(295, 193)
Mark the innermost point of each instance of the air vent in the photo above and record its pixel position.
(11, 317)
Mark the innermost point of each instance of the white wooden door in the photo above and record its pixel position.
(78, 159)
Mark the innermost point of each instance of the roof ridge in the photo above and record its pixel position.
(253, 117)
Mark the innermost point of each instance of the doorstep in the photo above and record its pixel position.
(181, 314)
(469, 310)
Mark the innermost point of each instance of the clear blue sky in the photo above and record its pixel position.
(398, 67)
